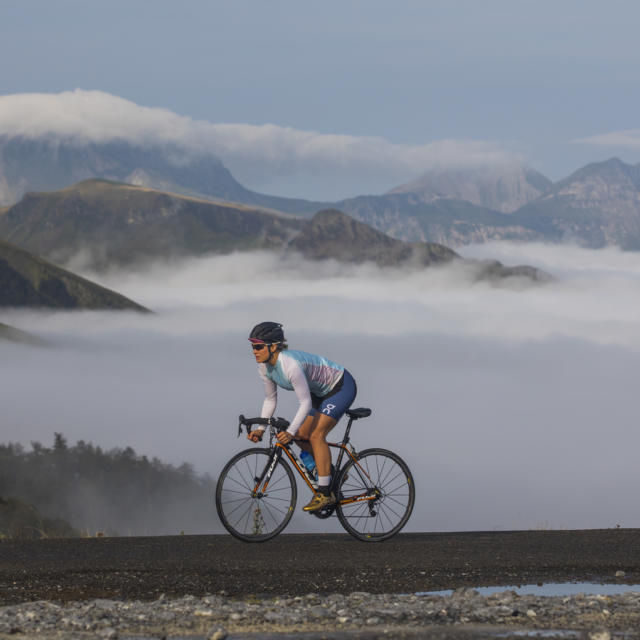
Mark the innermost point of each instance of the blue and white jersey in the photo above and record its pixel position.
(304, 373)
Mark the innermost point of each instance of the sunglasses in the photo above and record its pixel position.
(258, 347)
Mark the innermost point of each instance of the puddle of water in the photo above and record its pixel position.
(540, 633)
(550, 589)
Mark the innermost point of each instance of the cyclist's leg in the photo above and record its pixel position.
(302, 437)
(319, 429)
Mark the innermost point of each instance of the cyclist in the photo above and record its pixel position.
(325, 391)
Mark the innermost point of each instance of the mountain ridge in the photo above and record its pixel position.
(114, 217)
(51, 163)
(115, 223)
(597, 205)
(443, 220)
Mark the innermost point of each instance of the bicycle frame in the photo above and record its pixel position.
(262, 482)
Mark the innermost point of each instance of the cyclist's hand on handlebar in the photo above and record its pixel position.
(255, 436)
(284, 437)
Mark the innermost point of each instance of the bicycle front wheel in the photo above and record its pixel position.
(249, 510)
(375, 495)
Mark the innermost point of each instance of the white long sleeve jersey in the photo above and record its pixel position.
(304, 373)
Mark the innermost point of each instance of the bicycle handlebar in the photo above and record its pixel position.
(280, 424)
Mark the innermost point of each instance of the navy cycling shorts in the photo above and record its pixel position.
(338, 400)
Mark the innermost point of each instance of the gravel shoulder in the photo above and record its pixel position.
(464, 613)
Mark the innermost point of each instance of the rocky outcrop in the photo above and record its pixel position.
(333, 234)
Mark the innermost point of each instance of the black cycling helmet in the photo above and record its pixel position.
(267, 332)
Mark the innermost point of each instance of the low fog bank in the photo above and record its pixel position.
(514, 405)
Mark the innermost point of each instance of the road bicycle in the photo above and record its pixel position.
(256, 491)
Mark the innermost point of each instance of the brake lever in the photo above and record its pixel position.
(241, 419)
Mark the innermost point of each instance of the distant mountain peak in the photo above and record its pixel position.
(504, 188)
(611, 169)
(597, 205)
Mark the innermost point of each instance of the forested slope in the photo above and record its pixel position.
(112, 492)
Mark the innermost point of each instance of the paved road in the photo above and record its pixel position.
(145, 567)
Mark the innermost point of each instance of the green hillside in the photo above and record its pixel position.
(115, 224)
(29, 281)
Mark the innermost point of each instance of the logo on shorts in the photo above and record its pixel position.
(328, 409)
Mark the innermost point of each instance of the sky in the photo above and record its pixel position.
(553, 84)
(515, 405)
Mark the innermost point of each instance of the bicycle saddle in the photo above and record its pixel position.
(361, 412)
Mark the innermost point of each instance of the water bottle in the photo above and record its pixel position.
(309, 462)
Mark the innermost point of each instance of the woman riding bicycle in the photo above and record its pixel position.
(325, 391)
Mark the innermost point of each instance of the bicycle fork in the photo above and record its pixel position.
(265, 477)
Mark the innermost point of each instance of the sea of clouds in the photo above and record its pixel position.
(514, 405)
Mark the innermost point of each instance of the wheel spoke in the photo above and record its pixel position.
(383, 483)
(242, 515)
(400, 504)
(232, 500)
(243, 484)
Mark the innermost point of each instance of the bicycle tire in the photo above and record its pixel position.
(380, 519)
(249, 518)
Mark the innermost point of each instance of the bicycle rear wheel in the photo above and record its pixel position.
(381, 490)
(248, 512)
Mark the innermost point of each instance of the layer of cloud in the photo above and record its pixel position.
(515, 407)
(625, 139)
(256, 154)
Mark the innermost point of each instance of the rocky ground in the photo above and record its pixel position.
(464, 613)
(214, 587)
